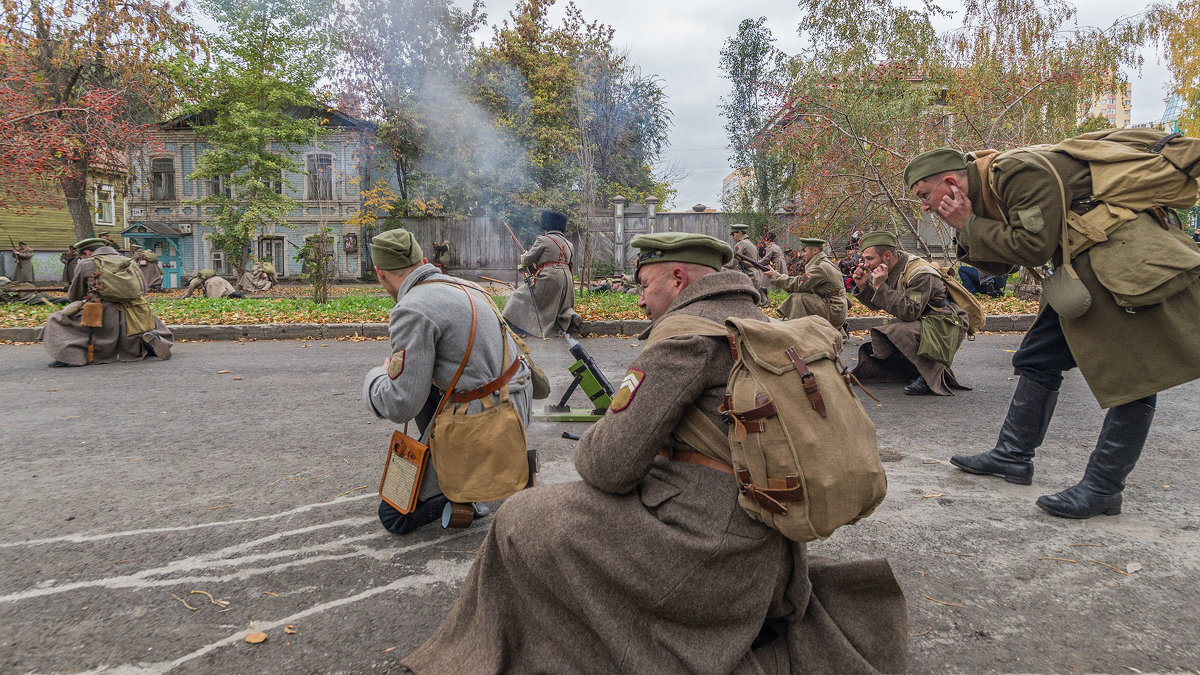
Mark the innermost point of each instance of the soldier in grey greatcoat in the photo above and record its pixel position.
(545, 304)
(23, 255)
(911, 290)
(69, 259)
(429, 330)
(70, 343)
(818, 291)
(648, 564)
(211, 285)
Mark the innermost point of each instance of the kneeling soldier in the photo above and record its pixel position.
(819, 291)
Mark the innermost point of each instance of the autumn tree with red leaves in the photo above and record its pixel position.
(879, 85)
(79, 82)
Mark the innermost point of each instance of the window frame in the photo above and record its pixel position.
(101, 207)
(318, 177)
(162, 182)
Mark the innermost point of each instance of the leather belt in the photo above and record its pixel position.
(693, 457)
(487, 389)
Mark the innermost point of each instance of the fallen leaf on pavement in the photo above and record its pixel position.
(387, 650)
(289, 629)
(1134, 567)
(256, 637)
(222, 372)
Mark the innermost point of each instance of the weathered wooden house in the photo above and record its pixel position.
(163, 217)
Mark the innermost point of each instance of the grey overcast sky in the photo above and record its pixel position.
(680, 41)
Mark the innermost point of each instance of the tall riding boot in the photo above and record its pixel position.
(1024, 428)
(1117, 450)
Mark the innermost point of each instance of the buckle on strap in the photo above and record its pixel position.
(772, 497)
(748, 421)
(487, 389)
(811, 390)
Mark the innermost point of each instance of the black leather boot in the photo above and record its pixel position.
(1117, 450)
(1023, 430)
(426, 512)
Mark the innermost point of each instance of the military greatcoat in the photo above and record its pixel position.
(1124, 356)
(212, 287)
(545, 305)
(66, 339)
(924, 294)
(746, 248)
(24, 260)
(152, 275)
(649, 565)
(819, 291)
(773, 257)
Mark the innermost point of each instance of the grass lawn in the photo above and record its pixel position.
(354, 304)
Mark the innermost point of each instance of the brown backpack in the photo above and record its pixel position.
(801, 445)
(976, 318)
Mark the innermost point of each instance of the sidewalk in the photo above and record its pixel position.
(1015, 323)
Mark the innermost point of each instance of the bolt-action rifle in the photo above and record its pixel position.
(747, 259)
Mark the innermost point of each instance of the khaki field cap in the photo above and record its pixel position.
(932, 163)
(738, 227)
(395, 249)
(878, 238)
(90, 242)
(685, 247)
(812, 242)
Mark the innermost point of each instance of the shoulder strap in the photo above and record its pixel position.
(1062, 191)
(466, 356)
(685, 324)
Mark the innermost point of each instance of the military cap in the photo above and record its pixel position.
(933, 162)
(879, 238)
(552, 220)
(812, 242)
(686, 247)
(90, 242)
(395, 249)
(738, 227)
(206, 273)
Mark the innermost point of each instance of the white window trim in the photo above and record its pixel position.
(308, 196)
(112, 205)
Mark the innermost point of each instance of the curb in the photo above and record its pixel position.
(1001, 323)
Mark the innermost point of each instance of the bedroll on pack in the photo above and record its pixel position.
(801, 445)
(118, 279)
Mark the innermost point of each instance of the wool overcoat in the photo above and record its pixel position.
(924, 294)
(546, 305)
(152, 274)
(66, 339)
(1124, 356)
(212, 287)
(819, 291)
(649, 565)
(24, 259)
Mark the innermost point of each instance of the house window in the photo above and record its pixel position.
(271, 249)
(105, 208)
(217, 186)
(218, 261)
(162, 179)
(277, 184)
(320, 177)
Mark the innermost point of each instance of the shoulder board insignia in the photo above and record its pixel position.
(396, 364)
(629, 386)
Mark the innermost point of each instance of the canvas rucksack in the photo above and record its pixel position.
(976, 318)
(118, 279)
(801, 445)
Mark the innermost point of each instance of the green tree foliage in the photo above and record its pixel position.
(1178, 28)
(878, 85)
(255, 105)
(752, 64)
(405, 66)
(584, 122)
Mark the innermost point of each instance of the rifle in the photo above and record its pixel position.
(497, 281)
(514, 236)
(752, 261)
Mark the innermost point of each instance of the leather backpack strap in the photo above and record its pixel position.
(470, 344)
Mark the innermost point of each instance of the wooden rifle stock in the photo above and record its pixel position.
(752, 261)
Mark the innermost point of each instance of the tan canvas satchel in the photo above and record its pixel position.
(481, 457)
(801, 445)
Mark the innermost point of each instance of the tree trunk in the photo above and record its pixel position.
(74, 187)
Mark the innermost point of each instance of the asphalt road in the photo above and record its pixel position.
(126, 488)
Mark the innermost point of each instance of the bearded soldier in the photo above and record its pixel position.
(545, 304)
(818, 291)
(743, 245)
(129, 330)
(1009, 210)
(649, 564)
(430, 330)
(927, 328)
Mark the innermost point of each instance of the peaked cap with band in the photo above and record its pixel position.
(684, 247)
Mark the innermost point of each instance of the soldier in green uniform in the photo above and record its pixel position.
(914, 293)
(742, 244)
(1008, 210)
(818, 291)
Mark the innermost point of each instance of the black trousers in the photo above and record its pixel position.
(1044, 355)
